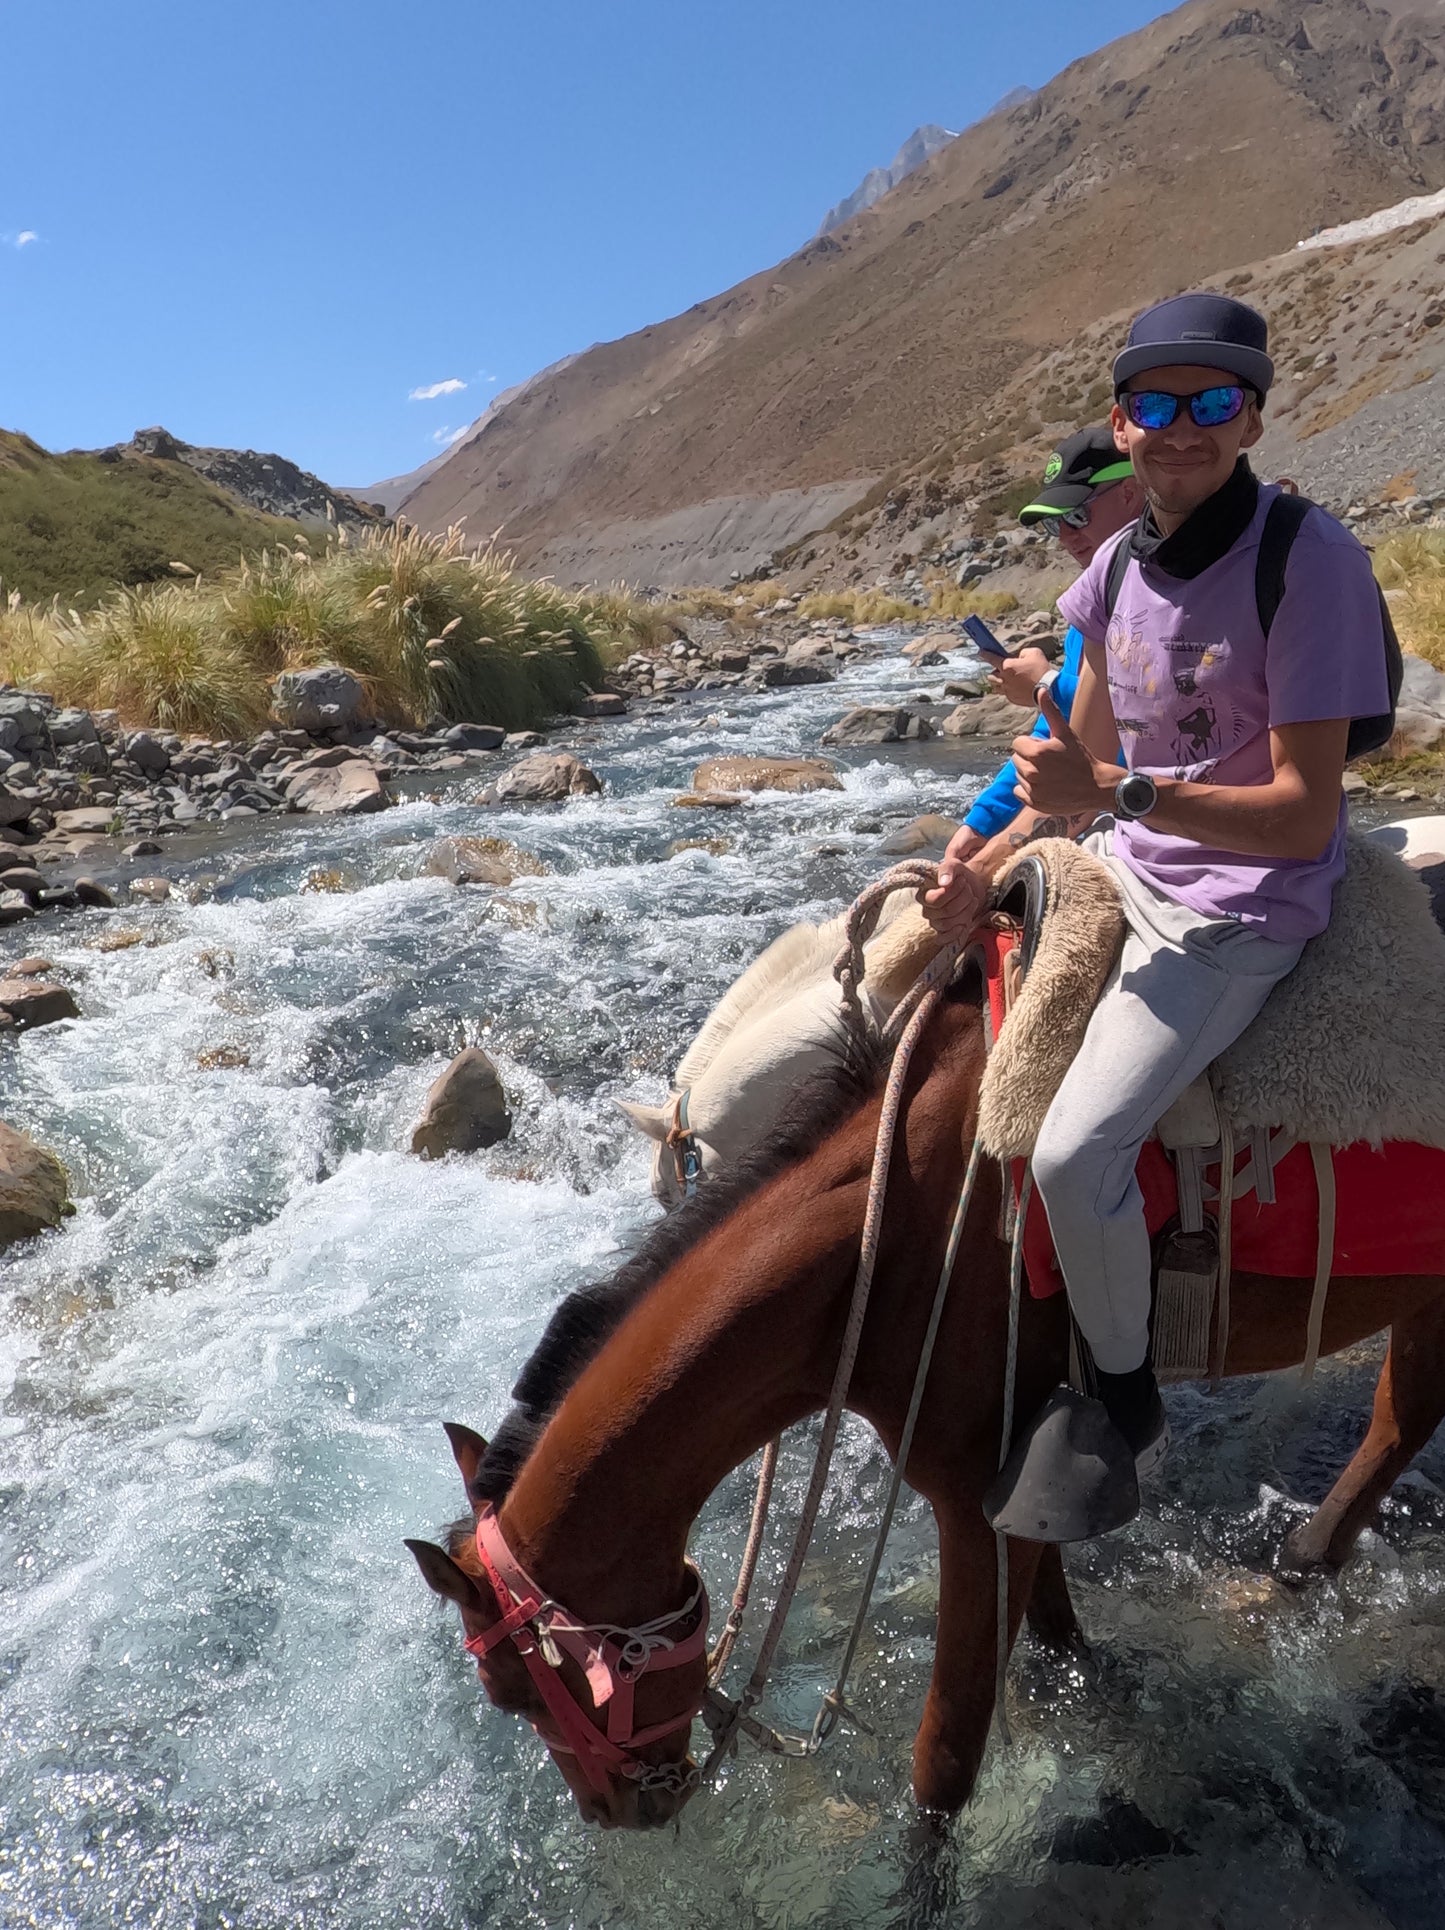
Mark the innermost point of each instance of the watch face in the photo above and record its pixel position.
(1136, 795)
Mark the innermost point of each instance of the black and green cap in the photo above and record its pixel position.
(1084, 463)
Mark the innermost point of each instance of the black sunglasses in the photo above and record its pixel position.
(1081, 517)
(1208, 408)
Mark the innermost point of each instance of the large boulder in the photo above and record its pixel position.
(34, 1192)
(72, 727)
(990, 716)
(546, 778)
(28, 1002)
(928, 834)
(874, 724)
(336, 790)
(786, 673)
(147, 753)
(465, 1110)
(766, 774)
(90, 821)
(327, 698)
(601, 703)
(14, 809)
(479, 861)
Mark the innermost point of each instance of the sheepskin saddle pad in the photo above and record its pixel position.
(1350, 1046)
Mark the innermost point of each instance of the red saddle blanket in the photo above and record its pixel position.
(1389, 1203)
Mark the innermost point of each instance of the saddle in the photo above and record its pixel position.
(1328, 1114)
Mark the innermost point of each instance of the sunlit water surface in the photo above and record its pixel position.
(227, 1698)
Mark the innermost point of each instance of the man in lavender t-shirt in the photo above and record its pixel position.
(1227, 842)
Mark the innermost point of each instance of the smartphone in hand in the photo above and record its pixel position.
(983, 638)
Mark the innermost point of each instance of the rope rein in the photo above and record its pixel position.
(726, 1718)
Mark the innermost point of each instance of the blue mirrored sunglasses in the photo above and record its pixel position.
(1209, 408)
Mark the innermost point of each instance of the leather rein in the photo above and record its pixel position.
(613, 1659)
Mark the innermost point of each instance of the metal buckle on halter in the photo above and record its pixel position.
(686, 1153)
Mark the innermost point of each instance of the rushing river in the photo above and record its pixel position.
(228, 1699)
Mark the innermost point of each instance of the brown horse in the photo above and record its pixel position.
(724, 1330)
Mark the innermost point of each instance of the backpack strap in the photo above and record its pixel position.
(1281, 526)
(1118, 570)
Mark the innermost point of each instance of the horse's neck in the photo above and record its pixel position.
(731, 1346)
(737, 1341)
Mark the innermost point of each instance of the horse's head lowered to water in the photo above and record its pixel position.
(614, 1703)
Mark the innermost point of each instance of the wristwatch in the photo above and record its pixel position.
(1135, 796)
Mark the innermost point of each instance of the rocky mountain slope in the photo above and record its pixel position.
(1216, 136)
(269, 483)
(922, 144)
(80, 524)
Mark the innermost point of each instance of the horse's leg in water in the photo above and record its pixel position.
(1052, 1620)
(954, 1731)
(1409, 1406)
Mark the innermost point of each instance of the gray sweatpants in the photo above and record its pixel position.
(1184, 989)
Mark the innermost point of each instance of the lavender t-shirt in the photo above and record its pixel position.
(1196, 689)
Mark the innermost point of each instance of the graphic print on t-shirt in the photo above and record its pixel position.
(1184, 727)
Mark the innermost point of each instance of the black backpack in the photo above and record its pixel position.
(1281, 526)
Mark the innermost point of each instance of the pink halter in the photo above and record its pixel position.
(612, 1659)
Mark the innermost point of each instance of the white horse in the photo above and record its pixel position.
(783, 1021)
(779, 1024)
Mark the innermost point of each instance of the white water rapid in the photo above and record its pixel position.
(226, 1700)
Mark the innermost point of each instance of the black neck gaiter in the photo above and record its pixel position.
(1203, 537)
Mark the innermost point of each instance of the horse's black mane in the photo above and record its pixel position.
(586, 1318)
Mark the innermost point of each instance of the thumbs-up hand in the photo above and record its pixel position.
(1056, 773)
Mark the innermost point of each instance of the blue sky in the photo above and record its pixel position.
(265, 223)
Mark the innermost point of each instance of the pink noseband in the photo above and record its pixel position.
(611, 1658)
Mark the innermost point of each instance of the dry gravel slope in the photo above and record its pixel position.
(1215, 136)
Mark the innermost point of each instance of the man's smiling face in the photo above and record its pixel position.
(1183, 465)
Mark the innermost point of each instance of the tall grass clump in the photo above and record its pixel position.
(1411, 566)
(159, 656)
(432, 629)
(953, 602)
(861, 608)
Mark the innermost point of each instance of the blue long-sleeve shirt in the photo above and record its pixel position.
(996, 807)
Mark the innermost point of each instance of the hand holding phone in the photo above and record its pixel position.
(984, 639)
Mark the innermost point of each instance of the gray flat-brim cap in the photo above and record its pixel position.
(1207, 331)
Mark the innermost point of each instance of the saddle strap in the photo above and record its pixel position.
(1324, 1165)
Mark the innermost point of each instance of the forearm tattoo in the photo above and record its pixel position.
(1053, 827)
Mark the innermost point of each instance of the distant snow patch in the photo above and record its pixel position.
(1420, 207)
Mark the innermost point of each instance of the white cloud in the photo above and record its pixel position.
(452, 386)
(446, 437)
(25, 237)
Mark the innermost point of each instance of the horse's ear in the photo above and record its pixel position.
(442, 1575)
(468, 1449)
(653, 1121)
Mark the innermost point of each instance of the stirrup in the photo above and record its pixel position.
(1071, 1477)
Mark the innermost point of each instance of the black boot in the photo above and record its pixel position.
(1075, 1473)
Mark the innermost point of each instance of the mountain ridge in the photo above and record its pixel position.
(865, 348)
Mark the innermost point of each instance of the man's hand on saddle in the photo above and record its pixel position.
(1057, 774)
(1019, 676)
(954, 905)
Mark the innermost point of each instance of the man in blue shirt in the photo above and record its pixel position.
(1088, 493)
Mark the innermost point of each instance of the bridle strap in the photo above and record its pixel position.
(682, 1143)
(611, 1658)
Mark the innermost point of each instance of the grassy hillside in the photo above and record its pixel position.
(431, 628)
(80, 525)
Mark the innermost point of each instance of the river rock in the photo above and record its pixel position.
(22, 877)
(786, 674)
(326, 698)
(91, 821)
(523, 740)
(14, 905)
(94, 895)
(465, 1110)
(14, 809)
(872, 724)
(154, 891)
(72, 727)
(34, 1192)
(546, 778)
(472, 861)
(707, 801)
(766, 774)
(337, 790)
(28, 1002)
(928, 834)
(474, 737)
(989, 716)
(601, 703)
(147, 753)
